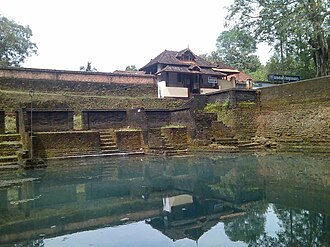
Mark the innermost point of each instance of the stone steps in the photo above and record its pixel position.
(10, 145)
(10, 138)
(107, 143)
(227, 141)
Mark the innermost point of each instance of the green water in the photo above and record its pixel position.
(204, 200)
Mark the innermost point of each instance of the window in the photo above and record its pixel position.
(212, 80)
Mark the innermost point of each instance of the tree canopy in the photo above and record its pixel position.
(236, 47)
(298, 29)
(131, 68)
(15, 43)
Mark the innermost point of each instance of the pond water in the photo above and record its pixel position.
(202, 200)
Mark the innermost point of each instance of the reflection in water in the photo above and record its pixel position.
(180, 198)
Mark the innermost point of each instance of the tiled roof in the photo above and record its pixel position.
(185, 69)
(170, 58)
(242, 77)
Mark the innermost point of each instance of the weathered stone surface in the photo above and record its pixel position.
(46, 120)
(78, 82)
(2, 122)
(177, 137)
(296, 115)
(57, 144)
(129, 140)
(103, 119)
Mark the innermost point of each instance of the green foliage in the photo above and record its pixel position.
(222, 110)
(292, 65)
(88, 68)
(77, 123)
(131, 68)
(15, 44)
(298, 30)
(236, 47)
(260, 74)
(173, 126)
(10, 123)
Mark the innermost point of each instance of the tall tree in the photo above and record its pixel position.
(15, 43)
(299, 26)
(236, 47)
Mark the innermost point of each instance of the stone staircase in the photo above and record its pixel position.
(246, 145)
(107, 142)
(10, 144)
(170, 150)
(163, 145)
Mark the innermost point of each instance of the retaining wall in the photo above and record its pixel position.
(2, 122)
(130, 140)
(45, 120)
(77, 82)
(296, 115)
(57, 144)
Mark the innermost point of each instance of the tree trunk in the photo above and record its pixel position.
(319, 41)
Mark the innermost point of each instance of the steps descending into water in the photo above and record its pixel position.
(10, 144)
(107, 142)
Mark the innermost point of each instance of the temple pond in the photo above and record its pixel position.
(202, 200)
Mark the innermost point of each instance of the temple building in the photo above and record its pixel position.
(181, 74)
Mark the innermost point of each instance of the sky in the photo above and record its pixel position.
(112, 34)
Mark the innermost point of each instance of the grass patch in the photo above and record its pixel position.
(77, 123)
(10, 124)
(173, 126)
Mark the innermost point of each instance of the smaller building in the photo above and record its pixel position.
(181, 74)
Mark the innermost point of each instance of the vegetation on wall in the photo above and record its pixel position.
(223, 111)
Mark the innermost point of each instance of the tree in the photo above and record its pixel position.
(236, 47)
(88, 68)
(300, 28)
(131, 68)
(15, 44)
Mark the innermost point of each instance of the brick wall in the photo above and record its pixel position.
(182, 116)
(57, 144)
(130, 140)
(82, 76)
(2, 122)
(103, 119)
(76, 82)
(177, 137)
(297, 115)
(46, 120)
(158, 118)
(233, 96)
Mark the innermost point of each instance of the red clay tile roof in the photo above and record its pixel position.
(185, 69)
(170, 58)
(242, 77)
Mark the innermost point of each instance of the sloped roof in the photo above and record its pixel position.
(171, 58)
(184, 69)
(242, 77)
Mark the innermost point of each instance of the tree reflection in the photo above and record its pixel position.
(250, 227)
(300, 227)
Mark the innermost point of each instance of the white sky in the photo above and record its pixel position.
(112, 34)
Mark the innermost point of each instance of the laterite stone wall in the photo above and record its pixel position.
(57, 144)
(297, 115)
(129, 140)
(2, 122)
